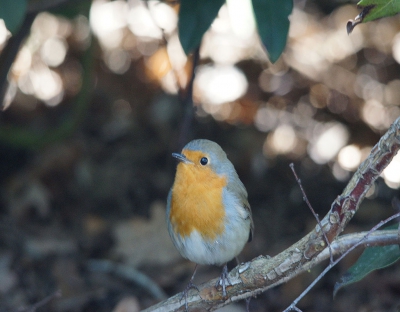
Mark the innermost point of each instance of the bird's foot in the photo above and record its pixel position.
(189, 286)
(223, 280)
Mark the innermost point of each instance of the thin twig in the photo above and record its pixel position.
(187, 101)
(165, 42)
(396, 206)
(43, 302)
(344, 242)
(128, 273)
(332, 264)
(185, 93)
(10, 52)
(305, 198)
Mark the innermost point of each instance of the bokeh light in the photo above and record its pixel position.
(107, 20)
(241, 18)
(117, 60)
(282, 140)
(349, 157)
(220, 84)
(392, 173)
(327, 141)
(232, 36)
(4, 33)
(142, 24)
(53, 51)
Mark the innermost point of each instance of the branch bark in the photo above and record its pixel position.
(254, 277)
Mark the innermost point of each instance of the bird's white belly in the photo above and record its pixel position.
(218, 251)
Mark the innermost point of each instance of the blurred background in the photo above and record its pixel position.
(94, 109)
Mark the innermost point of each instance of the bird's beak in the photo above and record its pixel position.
(181, 158)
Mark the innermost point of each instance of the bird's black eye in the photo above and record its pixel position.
(204, 161)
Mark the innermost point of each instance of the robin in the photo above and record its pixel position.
(208, 215)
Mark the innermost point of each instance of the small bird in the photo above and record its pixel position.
(208, 215)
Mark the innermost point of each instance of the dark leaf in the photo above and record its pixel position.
(13, 13)
(273, 24)
(195, 17)
(72, 9)
(373, 258)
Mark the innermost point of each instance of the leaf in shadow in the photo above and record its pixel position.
(373, 258)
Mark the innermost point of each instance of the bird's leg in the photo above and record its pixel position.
(188, 287)
(248, 304)
(224, 280)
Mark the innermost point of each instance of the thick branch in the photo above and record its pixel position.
(262, 273)
(293, 306)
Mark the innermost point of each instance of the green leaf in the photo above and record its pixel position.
(372, 10)
(195, 17)
(273, 24)
(373, 258)
(13, 13)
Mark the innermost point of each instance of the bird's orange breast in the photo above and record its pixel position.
(196, 202)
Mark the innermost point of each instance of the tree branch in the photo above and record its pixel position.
(254, 277)
(10, 51)
(42, 302)
(187, 101)
(293, 306)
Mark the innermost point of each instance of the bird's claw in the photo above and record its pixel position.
(189, 286)
(223, 280)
